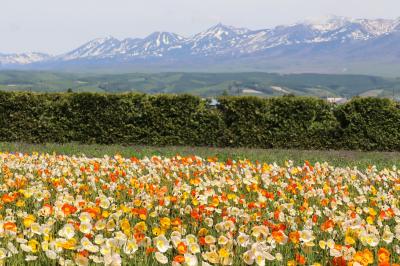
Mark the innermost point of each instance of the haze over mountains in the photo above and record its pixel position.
(336, 45)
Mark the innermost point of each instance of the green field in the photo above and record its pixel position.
(204, 84)
(336, 158)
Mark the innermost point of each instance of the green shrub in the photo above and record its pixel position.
(281, 122)
(369, 124)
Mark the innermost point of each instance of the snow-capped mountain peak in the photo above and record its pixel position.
(220, 32)
(100, 47)
(327, 23)
(216, 40)
(378, 26)
(229, 42)
(164, 38)
(373, 27)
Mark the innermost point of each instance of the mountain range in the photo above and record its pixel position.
(334, 45)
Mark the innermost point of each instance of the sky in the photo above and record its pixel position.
(58, 26)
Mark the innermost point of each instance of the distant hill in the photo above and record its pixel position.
(204, 84)
(335, 45)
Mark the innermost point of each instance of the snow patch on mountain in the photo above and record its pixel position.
(22, 59)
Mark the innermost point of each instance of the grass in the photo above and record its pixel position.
(336, 158)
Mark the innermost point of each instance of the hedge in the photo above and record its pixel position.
(280, 122)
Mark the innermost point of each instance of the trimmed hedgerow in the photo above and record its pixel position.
(281, 122)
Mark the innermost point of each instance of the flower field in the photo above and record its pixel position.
(72, 210)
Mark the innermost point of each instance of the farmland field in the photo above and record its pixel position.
(203, 84)
(140, 208)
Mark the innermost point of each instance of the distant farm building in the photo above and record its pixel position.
(337, 100)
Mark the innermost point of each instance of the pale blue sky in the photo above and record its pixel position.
(57, 26)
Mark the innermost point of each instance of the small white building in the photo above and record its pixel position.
(337, 100)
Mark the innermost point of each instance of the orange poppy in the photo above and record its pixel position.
(182, 248)
(68, 209)
(179, 259)
(339, 261)
(139, 237)
(150, 250)
(176, 222)
(279, 236)
(294, 237)
(327, 225)
(7, 198)
(84, 253)
(202, 241)
(300, 259)
(10, 226)
(195, 215)
(383, 255)
(93, 211)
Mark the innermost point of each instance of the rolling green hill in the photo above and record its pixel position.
(204, 84)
